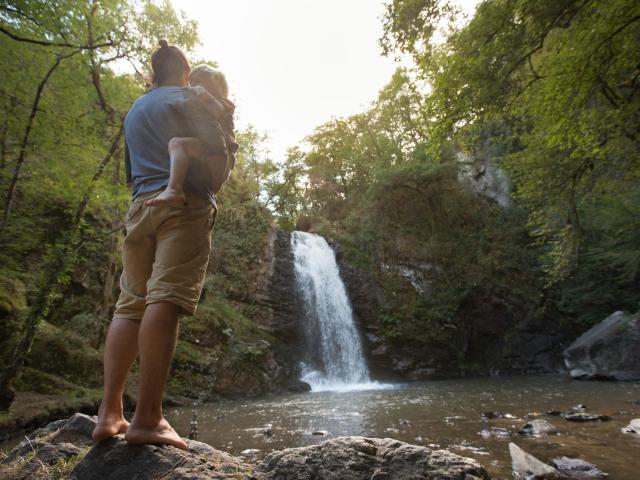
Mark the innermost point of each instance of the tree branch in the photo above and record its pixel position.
(47, 43)
(25, 139)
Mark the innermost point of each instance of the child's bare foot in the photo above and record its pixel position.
(109, 426)
(169, 195)
(161, 433)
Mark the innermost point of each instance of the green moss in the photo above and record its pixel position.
(67, 355)
(33, 380)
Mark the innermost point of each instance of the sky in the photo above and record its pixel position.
(293, 64)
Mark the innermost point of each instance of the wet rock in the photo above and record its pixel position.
(297, 386)
(527, 467)
(576, 468)
(494, 432)
(320, 433)
(495, 415)
(609, 350)
(633, 427)
(534, 415)
(538, 427)
(360, 458)
(586, 417)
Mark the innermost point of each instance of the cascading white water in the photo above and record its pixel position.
(328, 325)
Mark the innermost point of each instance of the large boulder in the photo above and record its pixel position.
(361, 458)
(609, 350)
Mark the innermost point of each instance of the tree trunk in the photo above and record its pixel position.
(105, 306)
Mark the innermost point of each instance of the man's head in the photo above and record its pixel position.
(170, 66)
(211, 79)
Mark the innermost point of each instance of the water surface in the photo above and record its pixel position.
(439, 414)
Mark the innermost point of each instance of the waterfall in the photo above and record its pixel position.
(334, 351)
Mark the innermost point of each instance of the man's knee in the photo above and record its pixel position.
(177, 144)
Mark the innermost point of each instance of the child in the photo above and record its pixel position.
(214, 143)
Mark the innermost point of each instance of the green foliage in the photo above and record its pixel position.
(561, 79)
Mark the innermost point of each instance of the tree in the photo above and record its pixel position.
(58, 141)
(562, 77)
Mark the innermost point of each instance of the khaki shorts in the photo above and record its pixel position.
(165, 254)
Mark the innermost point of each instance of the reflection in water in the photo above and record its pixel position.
(444, 414)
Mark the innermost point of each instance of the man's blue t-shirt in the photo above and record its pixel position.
(153, 120)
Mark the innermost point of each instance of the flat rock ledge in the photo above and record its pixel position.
(63, 449)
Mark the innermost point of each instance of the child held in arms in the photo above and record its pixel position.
(214, 144)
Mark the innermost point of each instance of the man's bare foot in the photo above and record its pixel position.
(108, 427)
(169, 195)
(162, 433)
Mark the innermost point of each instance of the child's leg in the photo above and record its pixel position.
(181, 151)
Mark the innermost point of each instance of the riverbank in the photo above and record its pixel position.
(64, 450)
(476, 418)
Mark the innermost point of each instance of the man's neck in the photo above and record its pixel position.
(176, 83)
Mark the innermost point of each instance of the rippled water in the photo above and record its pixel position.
(446, 414)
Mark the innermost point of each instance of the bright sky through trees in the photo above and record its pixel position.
(293, 64)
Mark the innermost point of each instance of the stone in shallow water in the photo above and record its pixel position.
(494, 432)
(576, 468)
(527, 467)
(538, 427)
(633, 427)
(495, 415)
(586, 417)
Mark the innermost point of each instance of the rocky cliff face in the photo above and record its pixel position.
(281, 308)
(498, 337)
(481, 168)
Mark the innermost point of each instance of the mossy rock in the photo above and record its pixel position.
(13, 299)
(32, 380)
(13, 307)
(65, 354)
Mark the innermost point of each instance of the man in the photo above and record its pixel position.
(165, 256)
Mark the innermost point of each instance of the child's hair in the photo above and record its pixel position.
(168, 62)
(212, 79)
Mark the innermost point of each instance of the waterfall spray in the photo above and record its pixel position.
(338, 362)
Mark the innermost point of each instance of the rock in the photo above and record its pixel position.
(527, 467)
(494, 415)
(321, 433)
(576, 468)
(633, 427)
(114, 459)
(538, 427)
(346, 458)
(297, 386)
(609, 350)
(64, 445)
(494, 432)
(360, 458)
(586, 417)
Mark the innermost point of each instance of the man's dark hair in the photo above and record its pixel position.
(168, 62)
